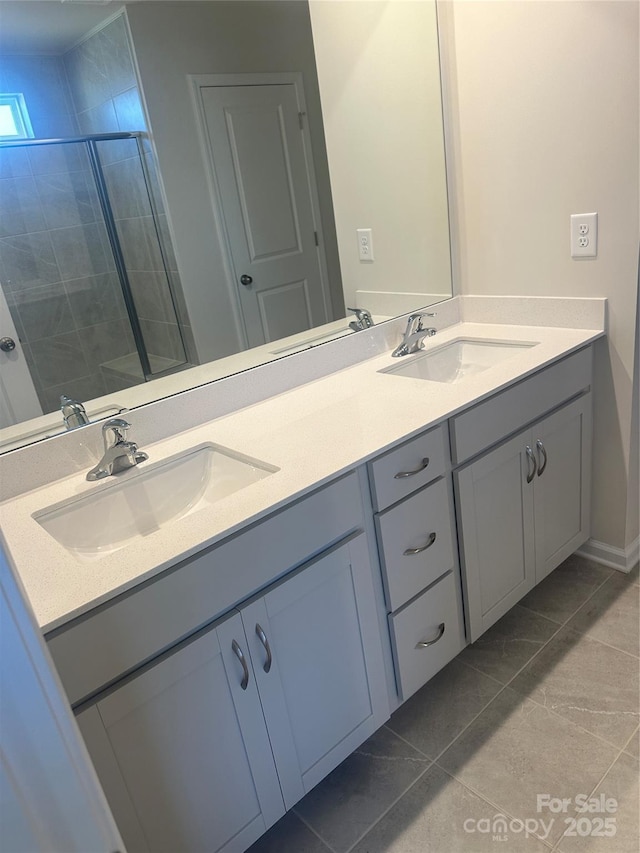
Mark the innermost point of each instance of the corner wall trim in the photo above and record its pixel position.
(616, 558)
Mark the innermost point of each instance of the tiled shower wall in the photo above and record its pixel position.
(106, 99)
(56, 268)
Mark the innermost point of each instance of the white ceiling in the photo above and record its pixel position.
(50, 26)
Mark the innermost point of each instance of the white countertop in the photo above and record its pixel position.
(312, 433)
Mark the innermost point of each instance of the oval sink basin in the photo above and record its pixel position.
(457, 360)
(148, 498)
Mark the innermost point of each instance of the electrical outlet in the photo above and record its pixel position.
(365, 244)
(584, 235)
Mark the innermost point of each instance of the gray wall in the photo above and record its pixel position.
(172, 40)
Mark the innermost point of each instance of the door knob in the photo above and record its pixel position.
(7, 344)
(246, 280)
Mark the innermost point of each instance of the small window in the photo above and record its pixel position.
(14, 118)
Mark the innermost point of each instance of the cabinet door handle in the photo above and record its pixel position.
(424, 644)
(402, 474)
(410, 551)
(263, 639)
(531, 473)
(541, 450)
(245, 669)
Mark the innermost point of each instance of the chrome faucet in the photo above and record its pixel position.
(119, 455)
(73, 412)
(363, 320)
(414, 335)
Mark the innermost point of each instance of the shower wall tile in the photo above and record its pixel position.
(151, 295)
(60, 356)
(41, 79)
(28, 261)
(55, 159)
(95, 299)
(140, 243)
(85, 388)
(127, 189)
(116, 56)
(68, 199)
(82, 251)
(42, 311)
(163, 339)
(106, 341)
(128, 107)
(14, 163)
(21, 211)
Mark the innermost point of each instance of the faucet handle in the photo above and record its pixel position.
(119, 427)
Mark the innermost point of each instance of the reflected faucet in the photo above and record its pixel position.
(73, 412)
(414, 335)
(120, 455)
(363, 320)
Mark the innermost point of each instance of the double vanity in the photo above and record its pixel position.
(233, 617)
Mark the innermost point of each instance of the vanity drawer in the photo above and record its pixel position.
(406, 468)
(507, 412)
(97, 649)
(434, 618)
(420, 521)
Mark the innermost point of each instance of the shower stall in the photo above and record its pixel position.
(87, 267)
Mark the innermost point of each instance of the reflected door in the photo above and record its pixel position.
(256, 142)
(18, 398)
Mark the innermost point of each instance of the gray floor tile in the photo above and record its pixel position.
(435, 715)
(620, 784)
(633, 747)
(612, 615)
(566, 589)
(345, 804)
(586, 682)
(509, 644)
(516, 750)
(289, 835)
(439, 814)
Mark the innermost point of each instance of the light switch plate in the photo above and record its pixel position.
(584, 235)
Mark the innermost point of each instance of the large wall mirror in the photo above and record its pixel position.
(192, 188)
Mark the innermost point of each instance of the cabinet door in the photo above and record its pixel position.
(183, 753)
(317, 656)
(562, 485)
(495, 511)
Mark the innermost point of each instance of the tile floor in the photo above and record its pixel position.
(546, 702)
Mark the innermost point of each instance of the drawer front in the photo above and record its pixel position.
(435, 618)
(95, 650)
(512, 409)
(422, 521)
(407, 468)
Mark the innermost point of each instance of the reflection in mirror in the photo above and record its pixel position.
(220, 182)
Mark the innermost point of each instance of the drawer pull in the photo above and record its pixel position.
(424, 644)
(411, 551)
(245, 669)
(402, 474)
(263, 639)
(531, 458)
(541, 450)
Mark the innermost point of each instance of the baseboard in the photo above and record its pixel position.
(622, 559)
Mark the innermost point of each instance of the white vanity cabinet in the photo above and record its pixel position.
(207, 743)
(415, 533)
(523, 506)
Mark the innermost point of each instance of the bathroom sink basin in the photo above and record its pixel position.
(457, 360)
(146, 498)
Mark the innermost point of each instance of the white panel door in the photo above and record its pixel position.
(562, 484)
(189, 746)
(317, 657)
(18, 399)
(264, 182)
(495, 509)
